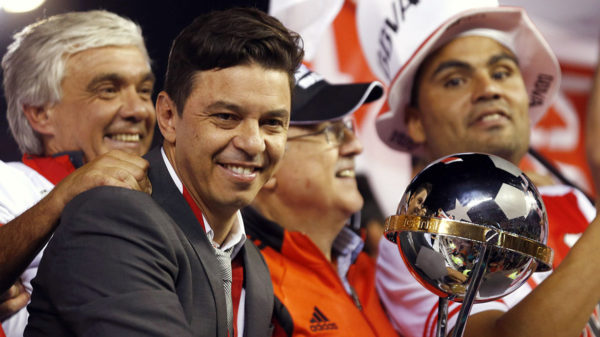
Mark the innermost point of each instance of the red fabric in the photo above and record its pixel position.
(54, 169)
(237, 270)
(237, 265)
(2, 332)
(564, 217)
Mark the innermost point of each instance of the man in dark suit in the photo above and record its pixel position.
(123, 263)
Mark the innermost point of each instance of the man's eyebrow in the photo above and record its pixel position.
(451, 64)
(149, 77)
(278, 113)
(236, 108)
(463, 65)
(108, 77)
(224, 105)
(502, 56)
(117, 78)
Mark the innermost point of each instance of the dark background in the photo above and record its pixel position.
(161, 21)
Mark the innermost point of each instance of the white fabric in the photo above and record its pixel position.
(571, 27)
(20, 188)
(410, 305)
(299, 16)
(390, 31)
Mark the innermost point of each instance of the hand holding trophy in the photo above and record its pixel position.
(471, 227)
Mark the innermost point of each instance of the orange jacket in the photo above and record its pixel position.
(310, 289)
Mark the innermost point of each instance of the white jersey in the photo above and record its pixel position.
(20, 188)
(413, 309)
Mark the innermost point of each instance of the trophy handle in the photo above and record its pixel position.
(472, 288)
(442, 320)
(478, 272)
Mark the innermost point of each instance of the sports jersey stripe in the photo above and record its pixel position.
(428, 322)
(431, 324)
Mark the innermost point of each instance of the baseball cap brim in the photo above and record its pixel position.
(324, 101)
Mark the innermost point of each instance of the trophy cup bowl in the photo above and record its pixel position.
(471, 221)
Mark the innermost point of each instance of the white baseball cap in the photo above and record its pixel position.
(396, 36)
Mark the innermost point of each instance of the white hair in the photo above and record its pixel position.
(34, 63)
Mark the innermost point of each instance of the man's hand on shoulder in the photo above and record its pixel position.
(23, 237)
(114, 168)
(13, 300)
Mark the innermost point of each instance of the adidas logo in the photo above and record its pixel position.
(320, 322)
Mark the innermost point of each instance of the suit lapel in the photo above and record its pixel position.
(166, 194)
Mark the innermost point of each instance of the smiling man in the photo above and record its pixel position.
(78, 88)
(299, 219)
(470, 96)
(93, 79)
(177, 263)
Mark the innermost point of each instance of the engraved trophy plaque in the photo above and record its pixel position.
(471, 228)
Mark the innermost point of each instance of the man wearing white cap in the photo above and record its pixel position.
(299, 218)
(464, 77)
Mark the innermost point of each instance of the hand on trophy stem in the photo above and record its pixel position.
(559, 306)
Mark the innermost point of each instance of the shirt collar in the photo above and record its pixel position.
(55, 167)
(236, 237)
(347, 245)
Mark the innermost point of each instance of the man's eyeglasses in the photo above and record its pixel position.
(336, 133)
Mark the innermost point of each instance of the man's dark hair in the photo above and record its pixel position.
(228, 38)
(423, 187)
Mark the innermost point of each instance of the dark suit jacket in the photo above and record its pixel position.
(122, 263)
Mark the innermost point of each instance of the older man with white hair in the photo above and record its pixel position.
(78, 87)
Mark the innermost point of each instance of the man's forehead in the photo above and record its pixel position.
(109, 59)
(93, 51)
(482, 46)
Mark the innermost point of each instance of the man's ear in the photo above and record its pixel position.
(166, 115)
(414, 125)
(39, 117)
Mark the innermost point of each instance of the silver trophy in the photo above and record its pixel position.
(471, 228)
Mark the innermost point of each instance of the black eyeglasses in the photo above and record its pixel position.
(336, 133)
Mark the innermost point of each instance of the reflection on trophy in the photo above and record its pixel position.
(471, 228)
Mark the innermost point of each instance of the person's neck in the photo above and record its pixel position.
(322, 229)
(220, 223)
(323, 241)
